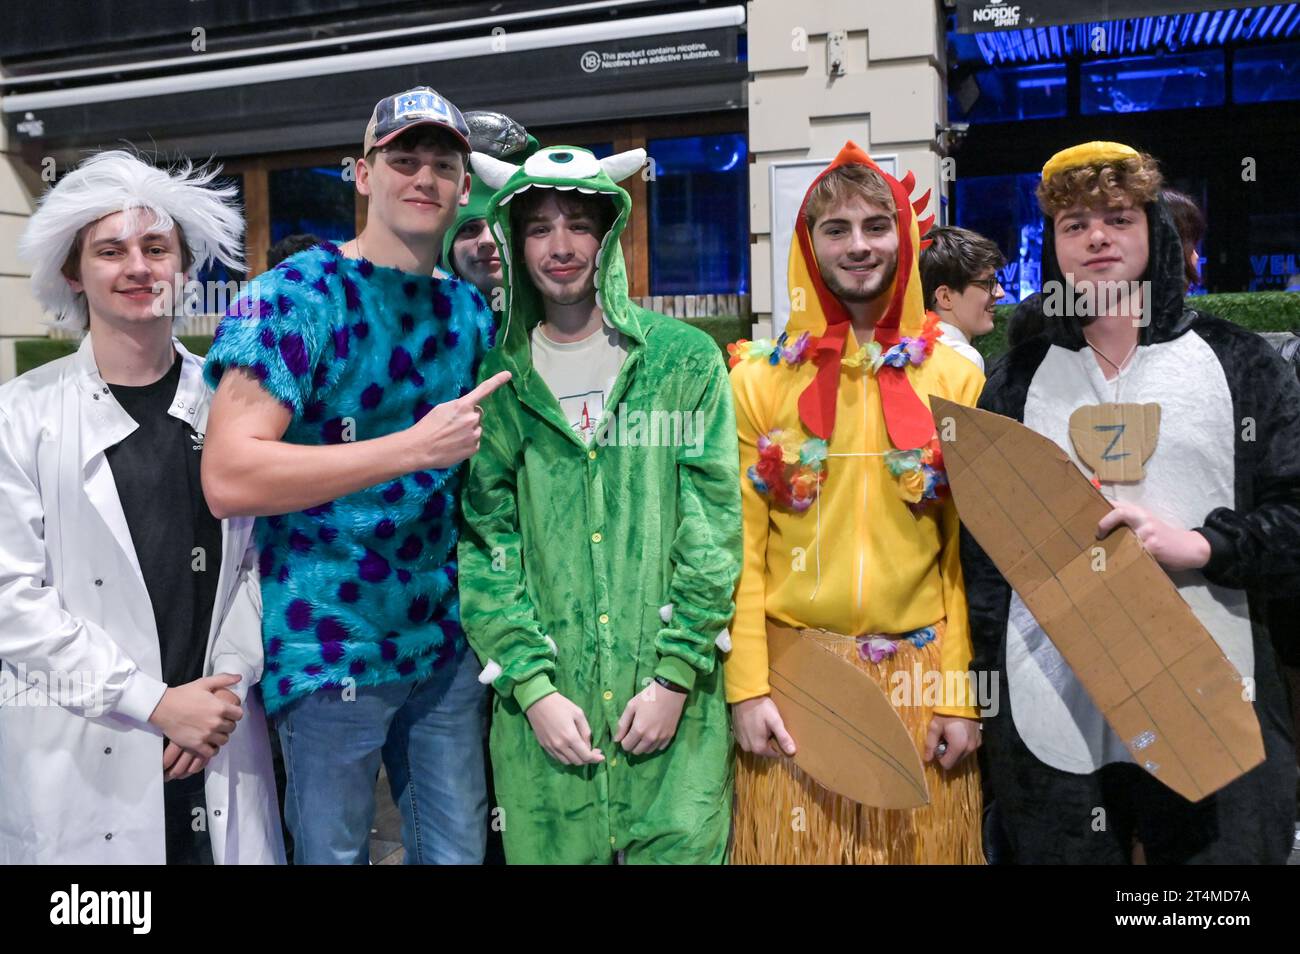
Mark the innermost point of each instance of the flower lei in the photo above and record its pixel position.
(771, 351)
(920, 473)
(871, 355)
(793, 474)
(877, 648)
(790, 474)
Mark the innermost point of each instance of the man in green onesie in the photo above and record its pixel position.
(468, 249)
(602, 544)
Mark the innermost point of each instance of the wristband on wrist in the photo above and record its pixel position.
(670, 686)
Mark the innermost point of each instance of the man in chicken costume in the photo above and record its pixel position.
(849, 533)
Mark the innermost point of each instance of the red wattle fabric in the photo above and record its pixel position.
(907, 419)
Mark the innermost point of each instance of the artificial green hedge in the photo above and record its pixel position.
(724, 329)
(33, 352)
(1258, 311)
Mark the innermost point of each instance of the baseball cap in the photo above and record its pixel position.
(421, 106)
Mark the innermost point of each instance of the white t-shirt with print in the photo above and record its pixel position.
(580, 373)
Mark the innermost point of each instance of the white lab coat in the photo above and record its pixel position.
(81, 777)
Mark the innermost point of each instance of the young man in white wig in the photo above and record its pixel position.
(129, 625)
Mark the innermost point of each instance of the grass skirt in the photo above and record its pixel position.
(782, 816)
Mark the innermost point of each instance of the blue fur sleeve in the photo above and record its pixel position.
(277, 331)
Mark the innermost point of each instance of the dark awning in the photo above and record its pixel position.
(637, 67)
(123, 27)
(978, 16)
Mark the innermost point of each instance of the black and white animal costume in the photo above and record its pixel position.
(1227, 463)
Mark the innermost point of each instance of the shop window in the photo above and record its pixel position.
(1274, 261)
(699, 215)
(1004, 209)
(1266, 74)
(315, 200)
(1144, 83)
(1008, 94)
(1272, 244)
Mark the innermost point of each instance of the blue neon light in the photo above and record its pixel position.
(1136, 36)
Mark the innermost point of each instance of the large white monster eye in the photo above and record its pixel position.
(561, 163)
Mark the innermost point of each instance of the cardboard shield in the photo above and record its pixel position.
(1150, 667)
(849, 737)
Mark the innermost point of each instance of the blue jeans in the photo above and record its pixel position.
(430, 737)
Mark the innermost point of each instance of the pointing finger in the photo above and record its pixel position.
(487, 387)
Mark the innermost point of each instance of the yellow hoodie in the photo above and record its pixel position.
(848, 543)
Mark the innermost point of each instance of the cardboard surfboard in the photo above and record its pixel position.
(1155, 673)
(848, 736)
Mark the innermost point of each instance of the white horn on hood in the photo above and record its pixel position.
(622, 165)
(491, 170)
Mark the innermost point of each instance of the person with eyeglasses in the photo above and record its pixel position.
(959, 278)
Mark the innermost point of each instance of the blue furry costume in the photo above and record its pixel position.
(363, 587)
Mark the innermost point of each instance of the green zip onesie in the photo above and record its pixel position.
(590, 569)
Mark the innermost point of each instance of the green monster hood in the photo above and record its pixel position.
(480, 193)
(563, 168)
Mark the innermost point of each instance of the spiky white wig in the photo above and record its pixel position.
(210, 221)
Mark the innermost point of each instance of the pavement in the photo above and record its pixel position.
(386, 830)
